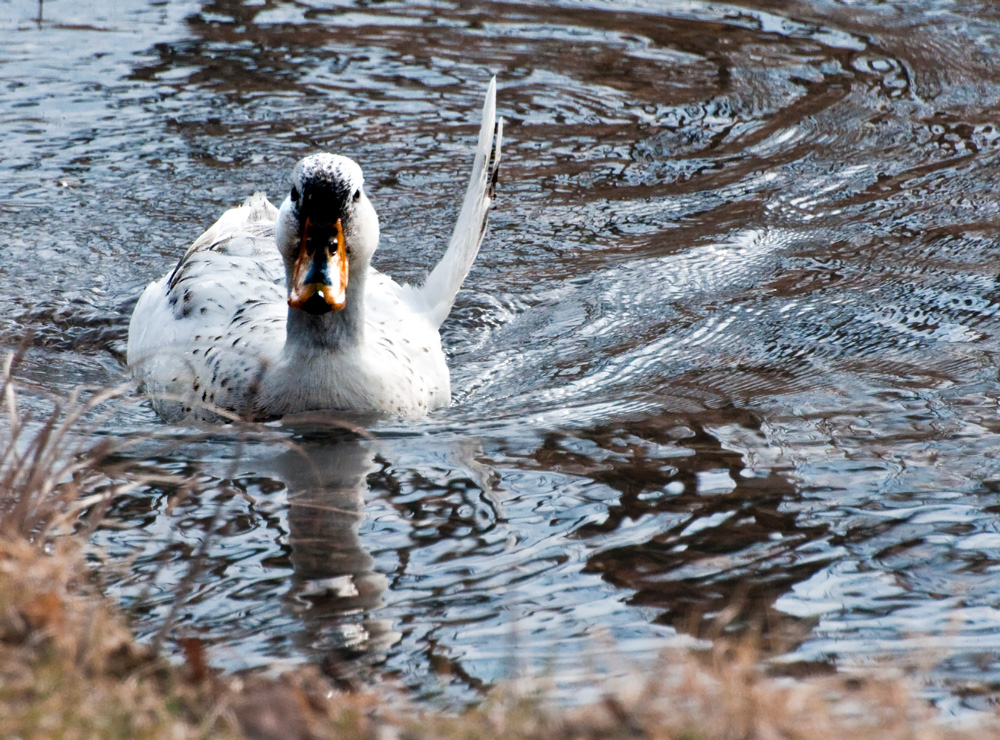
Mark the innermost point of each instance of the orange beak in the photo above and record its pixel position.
(319, 276)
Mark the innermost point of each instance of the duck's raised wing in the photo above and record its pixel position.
(438, 292)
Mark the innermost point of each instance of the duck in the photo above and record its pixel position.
(277, 310)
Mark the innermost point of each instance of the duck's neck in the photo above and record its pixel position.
(337, 330)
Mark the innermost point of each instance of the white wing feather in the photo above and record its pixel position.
(437, 295)
(196, 326)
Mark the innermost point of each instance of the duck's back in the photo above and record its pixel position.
(202, 336)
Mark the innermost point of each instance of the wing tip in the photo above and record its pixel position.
(443, 283)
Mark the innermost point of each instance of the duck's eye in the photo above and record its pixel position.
(357, 195)
(295, 194)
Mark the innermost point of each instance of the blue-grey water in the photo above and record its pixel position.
(730, 349)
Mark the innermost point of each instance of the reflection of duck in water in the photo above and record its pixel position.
(222, 331)
(335, 585)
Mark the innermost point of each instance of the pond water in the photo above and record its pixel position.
(729, 351)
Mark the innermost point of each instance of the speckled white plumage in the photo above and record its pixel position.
(218, 337)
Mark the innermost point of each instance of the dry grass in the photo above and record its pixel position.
(70, 668)
(53, 468)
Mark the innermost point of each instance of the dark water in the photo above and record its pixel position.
(730, 348)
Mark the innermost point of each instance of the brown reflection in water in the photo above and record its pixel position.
(739, 544)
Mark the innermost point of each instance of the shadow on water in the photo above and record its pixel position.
(729, 354)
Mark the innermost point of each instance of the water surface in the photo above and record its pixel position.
(729, 350)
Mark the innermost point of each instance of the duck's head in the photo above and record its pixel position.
(327, 231)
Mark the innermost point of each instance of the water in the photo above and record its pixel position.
(730, 348)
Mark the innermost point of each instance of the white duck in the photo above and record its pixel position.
(244, 329)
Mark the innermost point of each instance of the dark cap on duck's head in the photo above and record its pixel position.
(324, 186)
